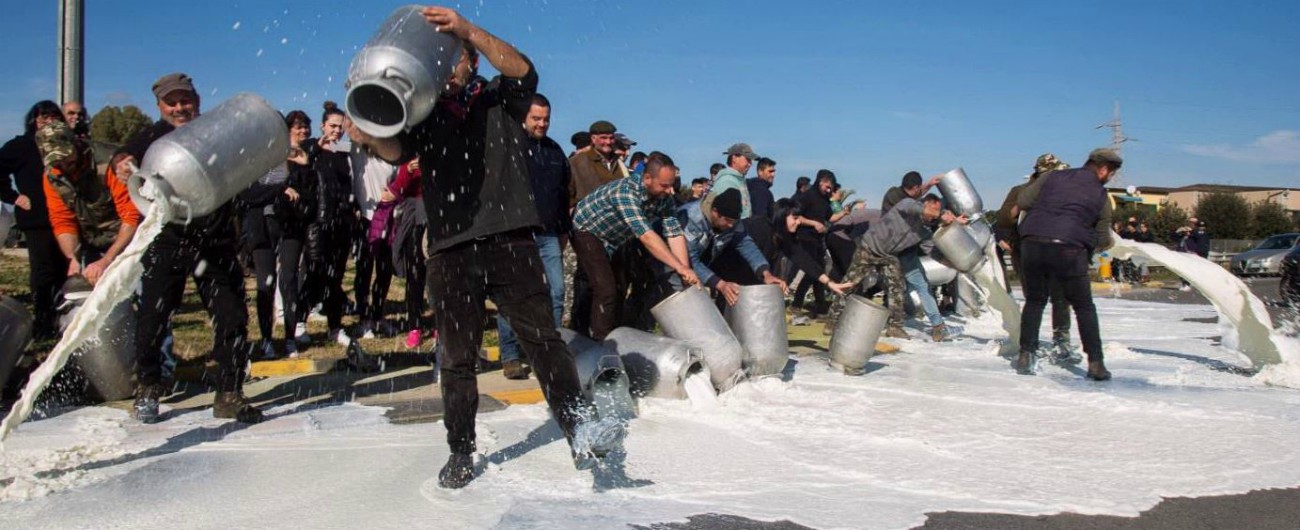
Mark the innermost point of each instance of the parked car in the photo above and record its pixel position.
(1266, 257)
(1290, 286)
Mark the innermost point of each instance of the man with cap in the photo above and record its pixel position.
(178, 252)
(739, 158)
(910, 187)
(621, 212)
(1067, 218)
(597, 166)
(581, 141)
(93, 216)
(623, 146)
(1007, 232)
(588, 170)
(711, 233)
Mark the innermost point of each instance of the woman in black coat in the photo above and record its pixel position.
(329, 234)
(22, 178)
(273, 218)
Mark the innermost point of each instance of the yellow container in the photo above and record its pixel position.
(1103, 269)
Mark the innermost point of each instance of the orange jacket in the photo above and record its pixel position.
(64, 219)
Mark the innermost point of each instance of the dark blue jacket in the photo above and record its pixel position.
(760, 197)
(548, 168)
(1069, 205)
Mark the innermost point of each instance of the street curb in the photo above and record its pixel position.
(259, 369)
(518, 397)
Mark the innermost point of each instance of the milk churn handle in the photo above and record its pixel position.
(161, 189)
(408, 89)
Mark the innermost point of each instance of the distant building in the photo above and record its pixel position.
(1187, 197)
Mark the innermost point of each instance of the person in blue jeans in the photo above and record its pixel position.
(548, 169)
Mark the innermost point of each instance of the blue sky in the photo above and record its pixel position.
(870, 90)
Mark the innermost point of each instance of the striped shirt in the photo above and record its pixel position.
(620, 210)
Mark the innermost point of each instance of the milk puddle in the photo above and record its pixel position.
(116, 285)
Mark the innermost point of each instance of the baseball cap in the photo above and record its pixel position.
(602, 127)
(742, 149)
(171, 83)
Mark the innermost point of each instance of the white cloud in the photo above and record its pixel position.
(1277, 147)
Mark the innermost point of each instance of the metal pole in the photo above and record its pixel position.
(72, 32)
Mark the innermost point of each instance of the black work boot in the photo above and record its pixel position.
(234, 405)
(1062, 353)
(1025, 363)
(357, 359)
(145, 408)
(458, 472)
(515, 369)
(1097, 371)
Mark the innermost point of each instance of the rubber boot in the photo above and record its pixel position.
(233, 405)
(515, 369)
(458, 472)
(1097, 371)
(1025, 363)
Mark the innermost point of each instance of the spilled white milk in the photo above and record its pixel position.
(1251, 329)
(115, 286)
(699, 390)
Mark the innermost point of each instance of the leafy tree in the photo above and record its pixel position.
(133, 121)
(1268, 218)
(1164, 222)
(103, 126)
(1227, 215)
(115, 125)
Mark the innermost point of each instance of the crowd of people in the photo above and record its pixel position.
(478, 202)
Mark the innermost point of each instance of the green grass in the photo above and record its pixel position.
(193, 329)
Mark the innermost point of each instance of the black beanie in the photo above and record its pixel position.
(911, 180)
(727, 203)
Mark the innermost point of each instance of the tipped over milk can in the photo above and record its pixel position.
(690, 315)
(205, 163)
(854, 340)
(959, 247)
(961, 195)
(657, 366)
(758, 319)
(602, 376)
(108, 358)
(394, 81)
(15, 331)
(937, 273)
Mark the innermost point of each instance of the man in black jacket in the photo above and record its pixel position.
(1067, 218)
(548, 169)
(481, 224)
(207, 248)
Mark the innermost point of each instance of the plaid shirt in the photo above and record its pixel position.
(620, 210)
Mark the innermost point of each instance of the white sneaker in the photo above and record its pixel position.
(340, 336)
(300, 334)
(1185, 288)
(367, 332)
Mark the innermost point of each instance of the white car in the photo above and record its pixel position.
(1265, 258)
